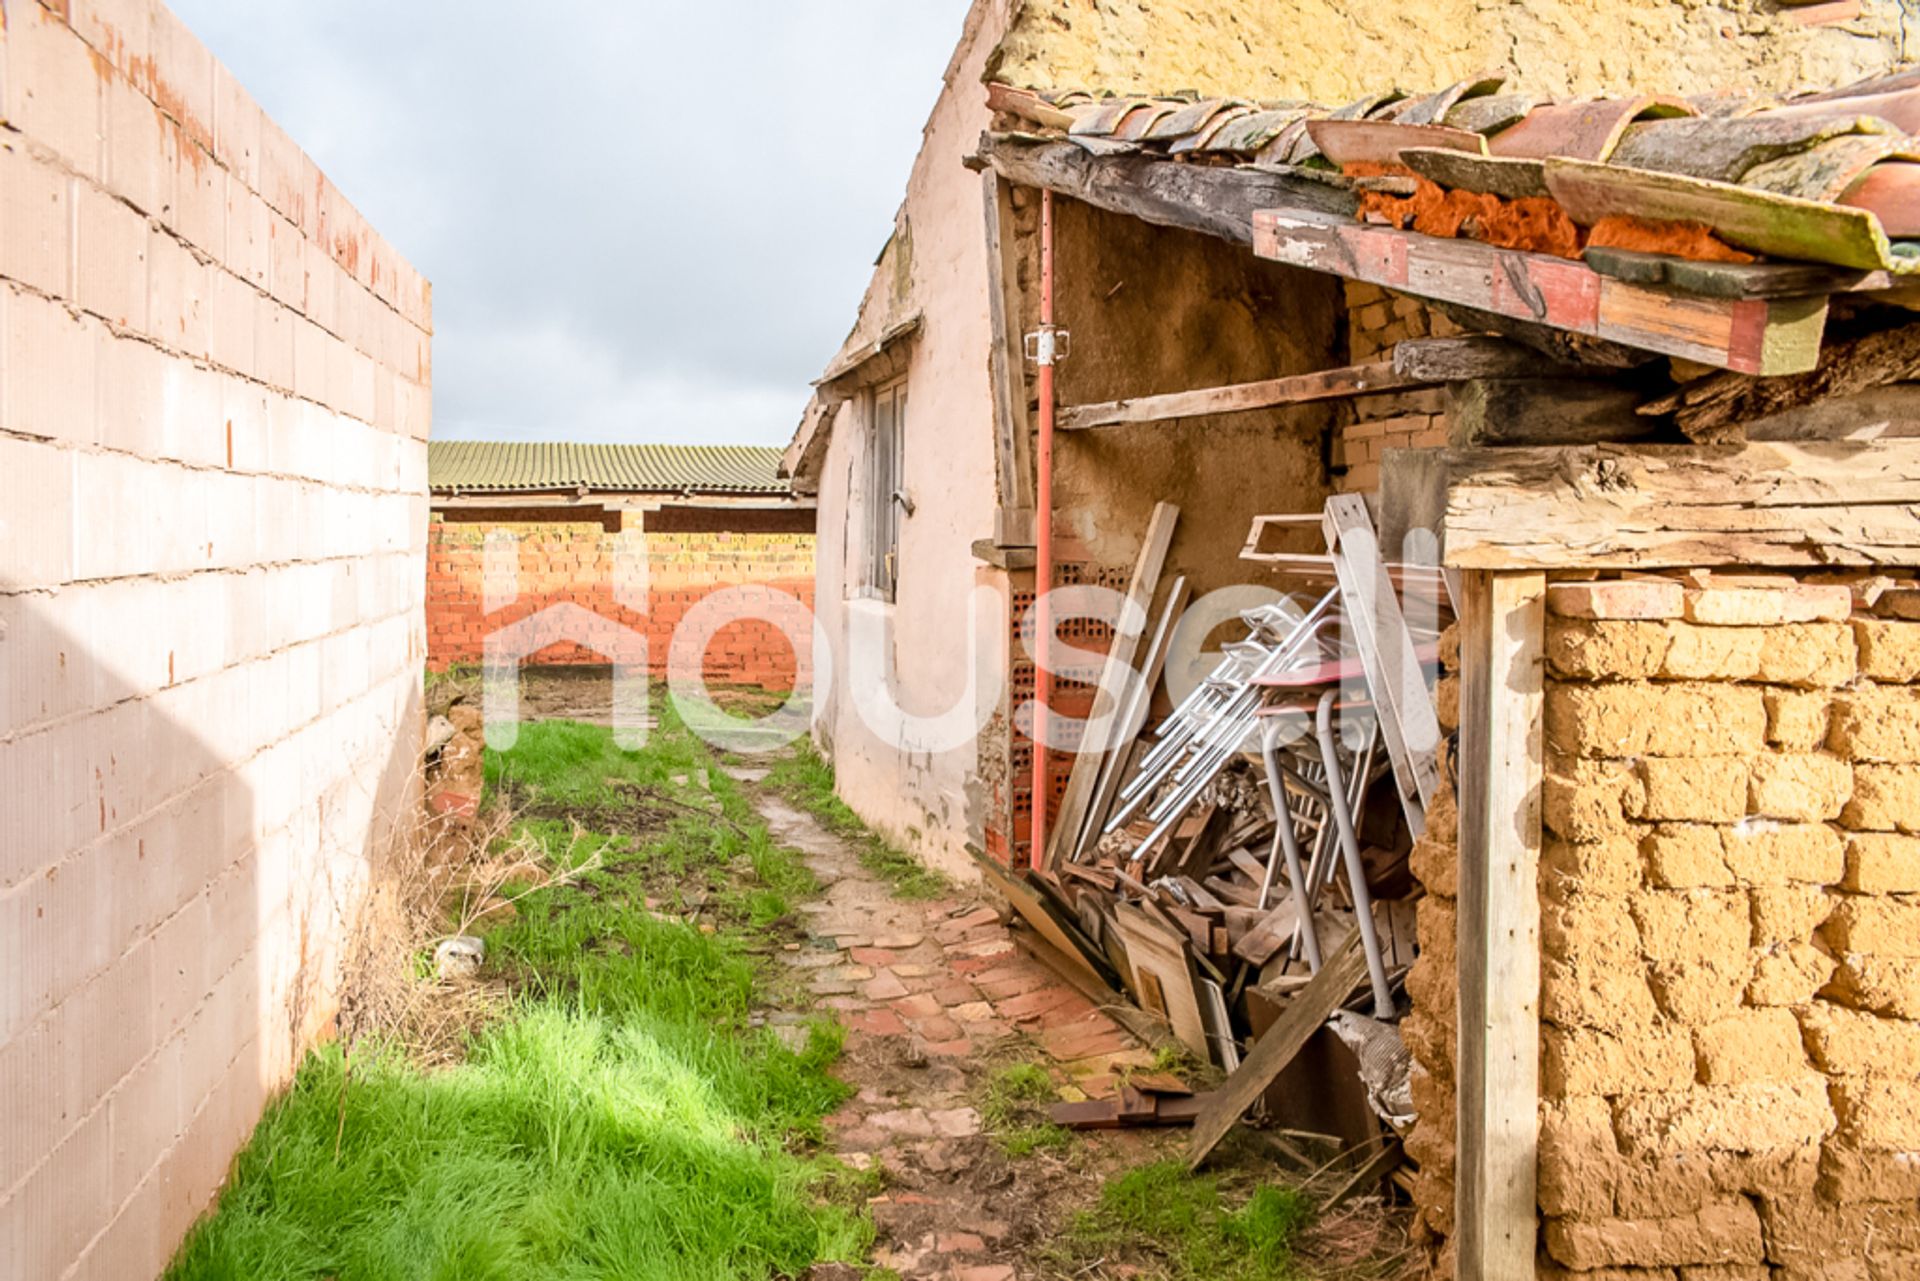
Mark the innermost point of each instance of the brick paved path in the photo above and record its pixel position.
(935, 996)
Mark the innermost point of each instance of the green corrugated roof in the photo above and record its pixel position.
(470, 466)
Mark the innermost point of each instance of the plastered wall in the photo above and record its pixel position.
(214, 403)
(1334, 51)
(575, 563)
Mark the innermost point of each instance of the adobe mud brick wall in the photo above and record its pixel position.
(575, 563)
(1730, 903)
(214, 404)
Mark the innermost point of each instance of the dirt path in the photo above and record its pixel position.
(936, 1000)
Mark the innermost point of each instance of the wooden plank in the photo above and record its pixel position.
(1810, 503)
(1240, 398)
(1501, 762)
(1157, 952)
(1063, 936)
(1150, 1030)
(1508, 177)
(1012, 436)
(1544, 290)
(1408, 723)
(1117, 765)
(1212, 200)
(1309, 1009)
(1734, 279)
(1109, 699)
(1762, 221)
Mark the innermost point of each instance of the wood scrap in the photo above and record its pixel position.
(1128, 1109)
(1345, 970)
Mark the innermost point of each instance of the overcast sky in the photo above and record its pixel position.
(643, 221)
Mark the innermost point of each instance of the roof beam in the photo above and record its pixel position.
(1750, 335)
(1211, 200)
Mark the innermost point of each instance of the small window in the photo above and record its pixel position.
(886, 429)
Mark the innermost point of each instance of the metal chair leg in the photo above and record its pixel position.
(1383, 1007)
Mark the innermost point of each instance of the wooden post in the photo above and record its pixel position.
(1012, 434)
(1503, 623)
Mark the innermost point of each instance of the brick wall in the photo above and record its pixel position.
(1730, 935)
(574, 563)
(1370, 425)
(214, 401)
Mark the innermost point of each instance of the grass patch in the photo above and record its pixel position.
(627, 1120)
(1180, 1227)
(806, 778)
(1013, 1109)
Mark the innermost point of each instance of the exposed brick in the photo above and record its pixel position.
(1616, 598)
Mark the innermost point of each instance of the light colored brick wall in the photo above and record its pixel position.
(560, 562)
(214, 402)
(1371, 425)
(1730, 998)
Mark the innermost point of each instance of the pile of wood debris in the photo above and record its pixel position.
(1239, 868)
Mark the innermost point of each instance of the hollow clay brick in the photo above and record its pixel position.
(1804, 786)
(1702, 790)
(1886, 798)
(1726, 1232)
(1877, 723)
(1751, 1045)
(1882, 863)
(1616, 598)
(1889, 651)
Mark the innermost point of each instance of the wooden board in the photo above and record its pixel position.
(1109, 700)
(1501, 762)
(1766, 223)
(1543, 411)
(1811, 504)
(1118, 765)
(1446, 360)
(1508, 177)
(1012, 433)
(1160, 966)
(1309, 1009)
(1240, 398)
(1063, 936)
(1752, 335)
(1734, 279)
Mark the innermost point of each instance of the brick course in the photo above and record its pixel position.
(575, 563)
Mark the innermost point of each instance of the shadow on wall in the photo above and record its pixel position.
(173, 904)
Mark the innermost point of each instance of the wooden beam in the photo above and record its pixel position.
(1240, 398)
(1138, 701)
(1503, 625)
(1808, 504)
(1543, 411)
(1752, 335)
(1212, 200)
(1109, 698)
(1715, 406)
(1305, 1014)
(1445, 360)
(1012, 436)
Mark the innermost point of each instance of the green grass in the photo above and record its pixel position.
(1181, 1228)
(626, 1121)
(806, 778)
(1013, 1106)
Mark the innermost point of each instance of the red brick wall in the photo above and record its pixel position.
(574, 562)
